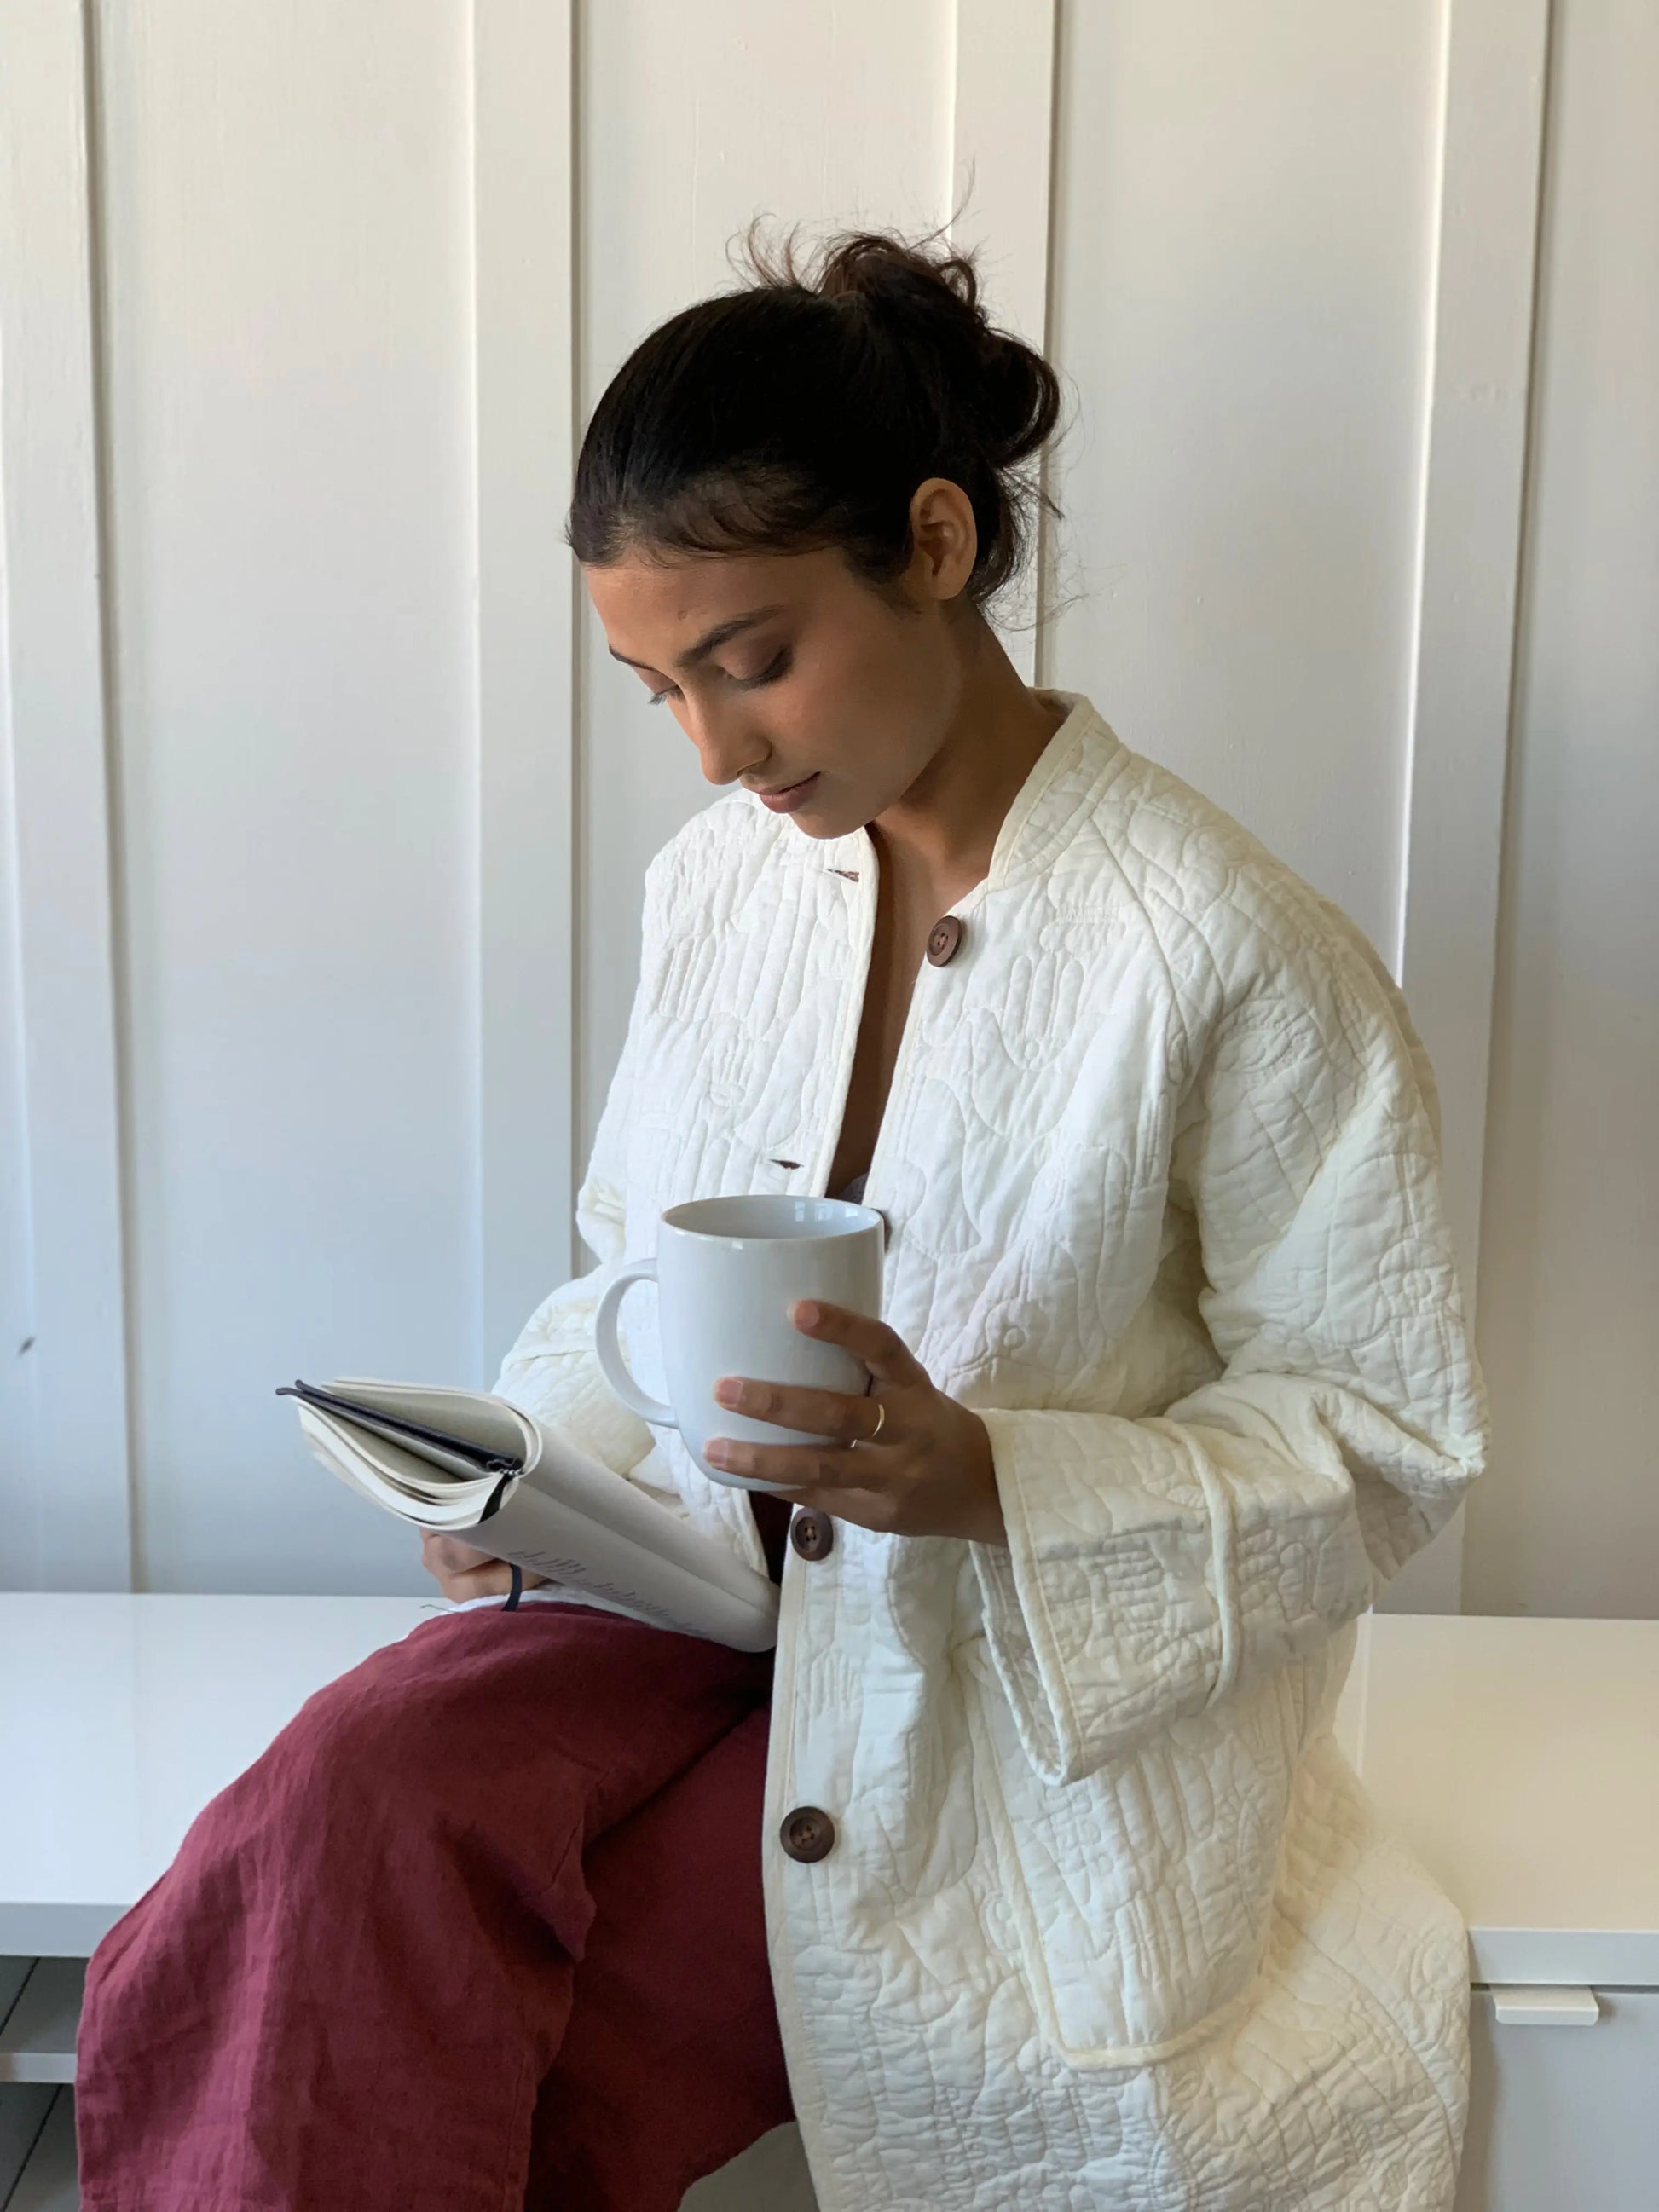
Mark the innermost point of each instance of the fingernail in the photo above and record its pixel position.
(728, 1391)
(718, 1453)
(808, 1313)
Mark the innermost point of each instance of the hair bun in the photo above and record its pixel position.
(804, 409)
(934, 299)
(873, 265)
(1022, 400)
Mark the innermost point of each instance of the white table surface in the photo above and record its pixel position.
(1520, 1759)
(120, 1717)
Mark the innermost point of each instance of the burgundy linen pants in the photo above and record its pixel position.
(481, 1929)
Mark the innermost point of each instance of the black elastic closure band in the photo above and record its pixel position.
(517, 1590)
(498, 1494)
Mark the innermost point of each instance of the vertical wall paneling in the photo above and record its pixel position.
(1474, 461)
(1570, 1229)
(285, 238)
(1475, 455)
(1001, 161)
(291, 303)
(1474, 466)
(524, 246)
(54, 710)
(1242, 220)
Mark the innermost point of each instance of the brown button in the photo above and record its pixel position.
(813, 1534)
(943, 939)
(808, 1834)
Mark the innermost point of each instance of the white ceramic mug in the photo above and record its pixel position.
(728, 1270)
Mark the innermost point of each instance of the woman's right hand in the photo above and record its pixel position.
(463, 1572)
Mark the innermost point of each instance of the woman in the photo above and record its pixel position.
(1069, 1898)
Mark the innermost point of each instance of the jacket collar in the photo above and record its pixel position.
(1065, 779)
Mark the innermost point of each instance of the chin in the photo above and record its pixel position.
(820, 824)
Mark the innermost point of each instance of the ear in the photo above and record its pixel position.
(945, 537)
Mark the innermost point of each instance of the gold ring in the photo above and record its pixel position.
(881, 1415)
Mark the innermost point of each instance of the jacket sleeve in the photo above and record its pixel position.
(551, 1370)
(1154, 1566)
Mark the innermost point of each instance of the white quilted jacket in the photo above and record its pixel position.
(1108, 1921)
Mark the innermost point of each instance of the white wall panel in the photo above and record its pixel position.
(287, 254)
(1570, 1252)
(1243, 212)
(64, 1451)
(1292, 285)
(693, 120)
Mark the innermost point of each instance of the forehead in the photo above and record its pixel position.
(654, 608)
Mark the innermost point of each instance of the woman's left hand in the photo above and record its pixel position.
(907, 1459)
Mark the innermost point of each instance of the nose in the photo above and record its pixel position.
(726, 749)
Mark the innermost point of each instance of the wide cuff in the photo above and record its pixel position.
(1108, 1613)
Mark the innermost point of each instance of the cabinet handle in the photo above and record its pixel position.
(1515, 2005)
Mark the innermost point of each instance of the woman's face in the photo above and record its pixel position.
(790, 676)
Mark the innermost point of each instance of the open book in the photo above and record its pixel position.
(478, 1468)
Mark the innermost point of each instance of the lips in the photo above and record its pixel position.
(787, 797)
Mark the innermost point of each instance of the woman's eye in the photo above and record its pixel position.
(774, 669)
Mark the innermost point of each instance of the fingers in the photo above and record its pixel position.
(845, 1421)
(796, 1467)
(447, 1555)
(830, 1414)
(494, 1580)
(883, 1350)
(462, 1572)
(853, 1486)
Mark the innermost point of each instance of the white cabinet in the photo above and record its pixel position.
(1565, 2119)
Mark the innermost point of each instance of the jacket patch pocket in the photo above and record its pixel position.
(1141, 1896)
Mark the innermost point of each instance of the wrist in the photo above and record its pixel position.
(991, 1527)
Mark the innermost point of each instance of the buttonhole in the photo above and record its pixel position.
(786, 1164)
(851, 874)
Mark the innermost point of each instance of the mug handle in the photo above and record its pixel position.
(612, 1365)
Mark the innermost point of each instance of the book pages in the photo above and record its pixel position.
(567, 1516)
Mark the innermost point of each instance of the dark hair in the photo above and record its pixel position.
(802, 410)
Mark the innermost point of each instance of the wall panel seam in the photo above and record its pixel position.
(1487, 223)
(110, 640)
(1480, 343)
(1003, 86)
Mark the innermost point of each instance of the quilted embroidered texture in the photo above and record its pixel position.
(1107, 1919)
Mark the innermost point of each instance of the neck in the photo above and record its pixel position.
(944, 827)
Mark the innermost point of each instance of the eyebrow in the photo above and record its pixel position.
(711, 641)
